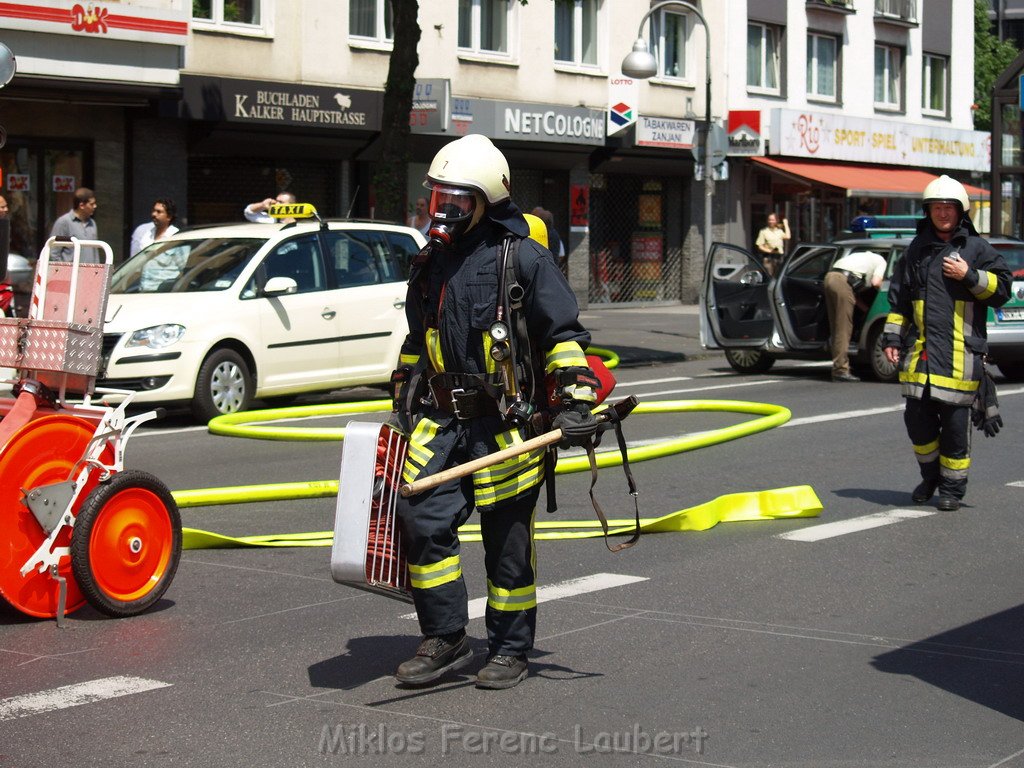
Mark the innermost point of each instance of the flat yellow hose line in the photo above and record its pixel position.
(774, 504)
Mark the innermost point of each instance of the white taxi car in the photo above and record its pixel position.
(219, 316)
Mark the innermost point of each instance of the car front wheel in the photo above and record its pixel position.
(881, 368)
(224, 385)
(749, 360)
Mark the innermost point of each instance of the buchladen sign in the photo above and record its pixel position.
(269, 103)
(865, 140)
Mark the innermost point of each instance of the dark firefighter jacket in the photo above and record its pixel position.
(939, 323)
(449, 321)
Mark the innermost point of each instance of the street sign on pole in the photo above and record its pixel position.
(718, 145)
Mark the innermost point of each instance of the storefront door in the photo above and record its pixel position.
(39, 182)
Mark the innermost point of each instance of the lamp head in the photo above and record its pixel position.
(7, 65)
(640, 63)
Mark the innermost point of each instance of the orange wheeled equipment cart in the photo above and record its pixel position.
(75, 526)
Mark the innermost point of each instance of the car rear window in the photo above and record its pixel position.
(186, 266)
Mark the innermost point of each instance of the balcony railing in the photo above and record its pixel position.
(840, 6)
(904, 11)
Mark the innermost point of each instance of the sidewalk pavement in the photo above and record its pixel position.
(646, 334)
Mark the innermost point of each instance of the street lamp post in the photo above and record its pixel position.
(641, 64)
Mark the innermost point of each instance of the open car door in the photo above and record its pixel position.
(799, 295)
(735, 303)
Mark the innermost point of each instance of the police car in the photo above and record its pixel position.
(757, 320)
(218, 316)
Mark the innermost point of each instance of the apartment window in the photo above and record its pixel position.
(888, 61)
(822, 61)
(228, 12)
(668, 33)
(370, 19)
(934, 82)
(763, 58)
(484, 25)
(576, 31)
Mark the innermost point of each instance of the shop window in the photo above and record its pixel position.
(668, 40)
(576, 32)
(245, 17)
(485, 26)
(888, 77)
(763, 58)
(370, 21)
(935, 85)
(822, 66)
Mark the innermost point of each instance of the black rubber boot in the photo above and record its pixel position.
(948, 503)
(434, 657)
(924, 491)
(502, 672)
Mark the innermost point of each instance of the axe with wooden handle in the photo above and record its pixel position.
(621, 409)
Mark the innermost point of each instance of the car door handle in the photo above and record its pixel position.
(328, 314)
(398, 303)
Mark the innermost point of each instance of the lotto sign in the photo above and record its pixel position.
(19, 182)
(63, 183)
(623, 95)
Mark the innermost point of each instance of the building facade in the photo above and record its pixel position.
(218, 103)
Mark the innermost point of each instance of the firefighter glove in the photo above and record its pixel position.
(985, 409)
(578, 425)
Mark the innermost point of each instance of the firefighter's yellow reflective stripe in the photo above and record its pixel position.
(987, 284)
(410, 360)
(894, 323)
(520, 599)
(490, 363)
(945, 382)
(489, 495)
(433, 339)
(931, 447)
(419, 454)
(435, 574)
(958, 340)
(954, 464)
(915, 352)
(565, 354)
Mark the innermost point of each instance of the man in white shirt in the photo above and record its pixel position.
(851, 275)
(161, 226)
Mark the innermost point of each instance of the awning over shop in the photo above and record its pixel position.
(860, 180)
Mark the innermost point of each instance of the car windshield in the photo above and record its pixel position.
(186, 266)
(1013, 254)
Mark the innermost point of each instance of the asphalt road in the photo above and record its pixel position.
(893, 646)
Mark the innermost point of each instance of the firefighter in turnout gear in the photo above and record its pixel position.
(491, 318)
(939, 296)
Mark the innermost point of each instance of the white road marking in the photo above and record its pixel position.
(570, 588)
(821, 418)
(842, 527)
(1016, 484)
(75, 695)
(645, 382)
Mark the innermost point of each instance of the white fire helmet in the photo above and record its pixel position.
(474, 162)
(946, 190)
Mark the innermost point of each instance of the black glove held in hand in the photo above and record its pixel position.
(985, 409)
(578, 425)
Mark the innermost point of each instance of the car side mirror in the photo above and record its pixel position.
(280, 286)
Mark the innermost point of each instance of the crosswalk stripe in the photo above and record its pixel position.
(569, 588)
(75, 695)
(841, 527)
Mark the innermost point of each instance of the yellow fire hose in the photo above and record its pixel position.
(795, 501)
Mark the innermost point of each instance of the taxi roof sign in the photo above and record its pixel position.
(293, 211)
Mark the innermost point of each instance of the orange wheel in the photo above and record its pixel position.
(126, 543)
(40, 453)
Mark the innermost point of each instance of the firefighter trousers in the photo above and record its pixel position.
(941, 435)
(506, 497)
